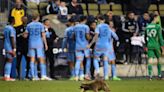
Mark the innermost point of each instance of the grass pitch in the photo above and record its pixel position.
(72, 86)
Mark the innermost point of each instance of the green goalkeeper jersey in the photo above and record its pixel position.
(154, 36)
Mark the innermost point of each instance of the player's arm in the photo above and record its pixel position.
(123, 27)
(95, 37)
(161, 41)
(114, 35)
(88, 37)
(13, 44)
(64, 43)
(93, 40)
(44, 40)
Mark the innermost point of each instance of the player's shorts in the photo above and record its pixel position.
(39, 53)
(98, 53)
(111, 56)
(71, 56)
(81, 53)
(154, 53)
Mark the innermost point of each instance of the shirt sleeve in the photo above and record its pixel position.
(42, 28)
(161, 41)
(12, 32)
(97, 30)
(87, 29)
(114, 35)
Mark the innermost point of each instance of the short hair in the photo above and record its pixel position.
(44, 20)
(82, 18)
(35, 16)
(101, 17)
(11, 19)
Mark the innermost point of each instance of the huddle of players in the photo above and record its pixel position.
(37, 45)
(76, 40)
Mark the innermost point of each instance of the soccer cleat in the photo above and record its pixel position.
(76, 79)
(71, 78)
(116, 78)
(8, 79)
(106, 78)
(87, 77)
(46, 78)
(35, 79)
(81, 78)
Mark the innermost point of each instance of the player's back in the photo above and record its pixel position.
(80, 31)
(152, 35)
(70, 40)
(35, 30)
(9, 32)
(104, 37)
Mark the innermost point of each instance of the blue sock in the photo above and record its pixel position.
(88, 66)
(81, 71)
(43, 69)
(96, 65)
(113, 70)
(105, 68)
(73, 72)
(77, 67)
(36, 70)
(8, 69)
(32, 68)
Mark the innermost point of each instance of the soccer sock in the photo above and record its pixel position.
(88, 66)
(72, 72)
(36, 70)
(43, 69)
(105, 68)
(77, 68)
(113, 70)
(32, 69)
(150, 70)
(159, 69)
(81, 72)
(96, 65)
(8, 69)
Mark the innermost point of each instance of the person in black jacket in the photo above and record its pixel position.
(75, 8)
(51, 38)
(22, 46)
(53, 7)
(129, 27)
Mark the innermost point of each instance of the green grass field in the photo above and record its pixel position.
(72, 86)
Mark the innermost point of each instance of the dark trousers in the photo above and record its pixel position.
(50, 59)
(20, 54)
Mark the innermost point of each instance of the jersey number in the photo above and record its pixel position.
(152, 33)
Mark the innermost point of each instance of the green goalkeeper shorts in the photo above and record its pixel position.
(154, 53)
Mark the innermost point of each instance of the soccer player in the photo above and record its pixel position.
(154, 45)
(112, 56)
(81, 32)
(10, 48)
(36, 44)
(103, 37)
(69, 43)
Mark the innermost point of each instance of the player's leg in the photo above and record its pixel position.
(81, 72)
(79, 58)
(112, 58)
(31, 54)
(96, 62)
(106, 64)
(158, 55)
(7, 68)
(71, 58)
(36, 70)
(151, 55)
(43, 69)
(19, 59)
(88, 64)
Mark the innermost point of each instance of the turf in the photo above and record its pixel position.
(72, 86)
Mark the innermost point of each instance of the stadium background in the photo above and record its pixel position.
(119, 8)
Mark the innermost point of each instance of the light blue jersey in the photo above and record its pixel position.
(69, 39)
(80, 31)
(35, 30)
(105, 35)
(9, 32)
